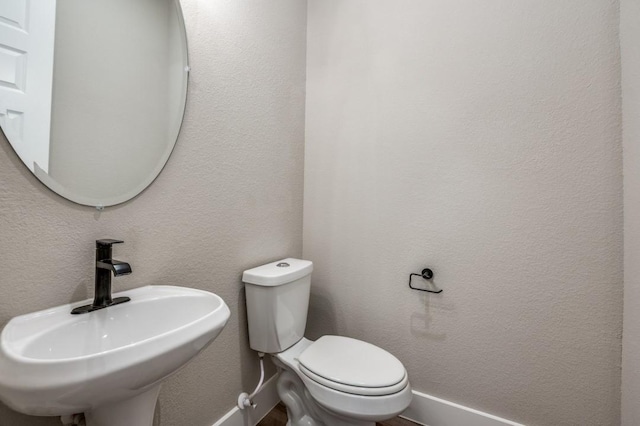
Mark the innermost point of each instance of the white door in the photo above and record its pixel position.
(27, 30)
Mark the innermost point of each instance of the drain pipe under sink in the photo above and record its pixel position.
(73, 420)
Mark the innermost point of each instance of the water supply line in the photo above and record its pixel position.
(244, 399)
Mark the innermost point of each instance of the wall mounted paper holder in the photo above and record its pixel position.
(427, 274)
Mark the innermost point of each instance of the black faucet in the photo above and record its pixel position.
(105, 265)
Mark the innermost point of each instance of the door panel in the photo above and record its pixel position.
(27, 30)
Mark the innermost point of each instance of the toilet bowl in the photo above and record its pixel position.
(334, 381)
(377, 389)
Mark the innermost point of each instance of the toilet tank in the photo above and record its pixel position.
(277, 303)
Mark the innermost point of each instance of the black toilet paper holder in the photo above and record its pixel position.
(427, 274)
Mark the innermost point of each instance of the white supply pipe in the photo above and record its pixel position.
(244, 399)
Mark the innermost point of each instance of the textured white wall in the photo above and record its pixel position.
(629, 36)
(230, 198)
(481, 139)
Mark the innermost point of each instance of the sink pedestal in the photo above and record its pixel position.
(135, 411)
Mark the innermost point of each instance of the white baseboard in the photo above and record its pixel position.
(424, 409)
(431, 411)
(266, 399)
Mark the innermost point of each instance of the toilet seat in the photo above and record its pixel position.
(352, 366)
(356, 390)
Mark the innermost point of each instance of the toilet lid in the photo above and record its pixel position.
(352, 362)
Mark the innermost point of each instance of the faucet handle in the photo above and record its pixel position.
(103, 248)
(107, 242)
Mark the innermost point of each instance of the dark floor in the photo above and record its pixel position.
(278, 417)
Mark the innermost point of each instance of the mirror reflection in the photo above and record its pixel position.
(92, 93)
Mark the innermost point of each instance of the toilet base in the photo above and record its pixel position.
(302, 410)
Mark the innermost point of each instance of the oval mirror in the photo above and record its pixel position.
(92, 93)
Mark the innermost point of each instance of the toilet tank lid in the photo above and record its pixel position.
(279, 272)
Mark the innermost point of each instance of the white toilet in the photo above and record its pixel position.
(334, 381)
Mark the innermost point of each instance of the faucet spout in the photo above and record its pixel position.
(117, 267)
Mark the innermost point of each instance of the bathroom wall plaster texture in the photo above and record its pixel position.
(629, 35)
(230, 198)
(481, 139)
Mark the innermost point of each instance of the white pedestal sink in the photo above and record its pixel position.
(108, 363)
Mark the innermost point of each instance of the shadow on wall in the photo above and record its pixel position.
(421, 322)
(249, 361)
(9, 417)
(323, 313)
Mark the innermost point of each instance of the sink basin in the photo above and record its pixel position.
(53, 363)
